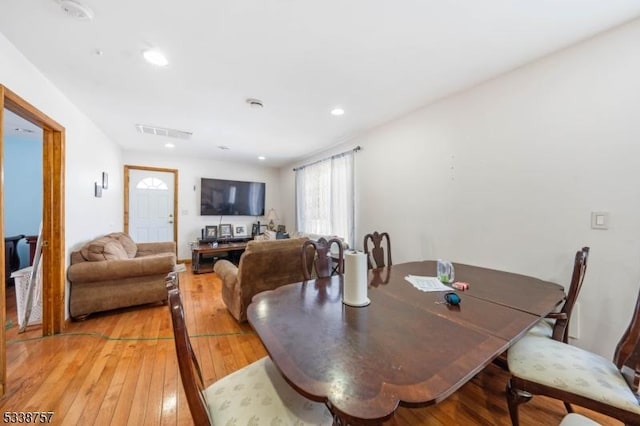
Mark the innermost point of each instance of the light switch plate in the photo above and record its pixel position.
(599, 220)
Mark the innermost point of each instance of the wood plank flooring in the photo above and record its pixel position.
(120, 368)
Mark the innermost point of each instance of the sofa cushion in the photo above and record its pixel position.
(104, 248)
(113, 250)
(127, 243)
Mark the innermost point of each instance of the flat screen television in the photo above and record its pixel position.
(220, 197)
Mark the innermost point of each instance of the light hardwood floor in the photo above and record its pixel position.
(120, 369)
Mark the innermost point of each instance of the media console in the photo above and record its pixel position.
(205, 255)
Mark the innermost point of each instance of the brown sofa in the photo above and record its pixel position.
(114, 272)
(265, 265)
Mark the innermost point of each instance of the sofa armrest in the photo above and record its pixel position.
(227, 271)
(117, 269)
(146, 249)
(231, 292)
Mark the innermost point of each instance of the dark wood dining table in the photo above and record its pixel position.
(406, 347)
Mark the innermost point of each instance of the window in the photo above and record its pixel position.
(324, 197)
(151, 183)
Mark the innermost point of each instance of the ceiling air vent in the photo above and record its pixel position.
(162, 131)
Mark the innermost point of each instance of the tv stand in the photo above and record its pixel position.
(204, 256)
(230, 240)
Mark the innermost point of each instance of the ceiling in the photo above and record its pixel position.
(19, 128)
(376, 59)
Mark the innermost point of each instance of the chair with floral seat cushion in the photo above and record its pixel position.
(556, 324)
(323, 258)
(573, 419)
(255, 394)
(377, 251)
(543, 366)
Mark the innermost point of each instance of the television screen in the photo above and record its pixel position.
(231, 197)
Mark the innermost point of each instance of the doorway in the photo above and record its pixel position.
(53, 248)
(22, 192)
(150, 203)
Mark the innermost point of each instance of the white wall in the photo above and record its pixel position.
(88, 151)
(190, 171)
(505, 175)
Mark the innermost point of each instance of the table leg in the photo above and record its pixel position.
(341, 421)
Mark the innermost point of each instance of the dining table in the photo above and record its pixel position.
(406, 347)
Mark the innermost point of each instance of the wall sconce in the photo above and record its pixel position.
(98, 190)
(105, 180)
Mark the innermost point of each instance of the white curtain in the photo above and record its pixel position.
(324, 197)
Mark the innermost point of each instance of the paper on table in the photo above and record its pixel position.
(426, 283)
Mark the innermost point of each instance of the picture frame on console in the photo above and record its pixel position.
(226, 230)
(240, 231)
(211, 232)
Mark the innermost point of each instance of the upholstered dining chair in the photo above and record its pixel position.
(543, 366)
(556, 324)
(574, 419)
(324, 262)
(377, 251)
(255, 394)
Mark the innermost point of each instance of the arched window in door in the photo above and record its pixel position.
(152, 183)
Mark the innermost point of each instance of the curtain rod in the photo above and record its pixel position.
(356, 149)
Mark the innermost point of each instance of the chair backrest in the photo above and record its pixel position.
(172, 280)
(377, 252)
(323, 260)
(190, 373)
(264, 265)
(627, 354)
(561, 327)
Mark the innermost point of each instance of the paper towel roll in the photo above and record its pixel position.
(354, 292)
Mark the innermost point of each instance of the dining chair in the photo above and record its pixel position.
(574, 419)
(325, 263)
(543, 366)
(254, 394)
(377, 252)
(556, 324)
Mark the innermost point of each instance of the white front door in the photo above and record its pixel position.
(151, 205)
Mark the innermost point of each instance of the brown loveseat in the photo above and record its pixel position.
(114, 272)
(265, 265)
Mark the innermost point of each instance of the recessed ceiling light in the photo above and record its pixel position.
(155, 57)
(22, 130)
(262, 158)
(337, 111)
(169, 145)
